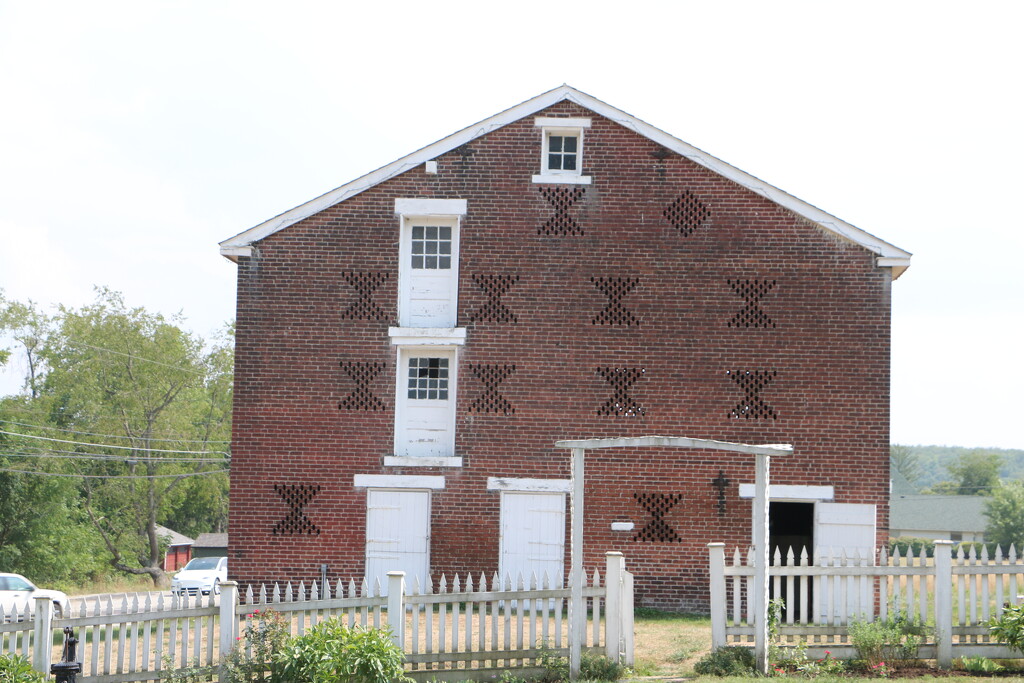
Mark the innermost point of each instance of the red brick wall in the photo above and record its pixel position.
(829, 348)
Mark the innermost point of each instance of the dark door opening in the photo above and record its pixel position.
(790, 526)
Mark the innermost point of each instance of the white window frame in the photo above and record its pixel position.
(427, 346)
(570, 127)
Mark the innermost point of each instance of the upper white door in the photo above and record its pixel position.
(425, 415)
(429, 272)
(397, 536)
(848, 527)
(532, 536)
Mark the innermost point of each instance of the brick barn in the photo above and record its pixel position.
(411, 345)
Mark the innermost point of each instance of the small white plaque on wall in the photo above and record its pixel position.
(622, 526)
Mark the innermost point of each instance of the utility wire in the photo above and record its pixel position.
(113, 476)
(70, 455)
(104, 445)
(111, 436)
(73, 342)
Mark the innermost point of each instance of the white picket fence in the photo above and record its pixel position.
(954, 596)
(459, 629)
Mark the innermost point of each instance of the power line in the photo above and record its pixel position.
(114, 476)
(73, 342)
(103, 445)
(111, 436)
(71, 455)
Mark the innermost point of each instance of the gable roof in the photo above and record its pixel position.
(888, 254)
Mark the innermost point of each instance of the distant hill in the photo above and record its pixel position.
(934, 459)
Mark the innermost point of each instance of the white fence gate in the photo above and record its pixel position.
(954, 595)
(466, 628)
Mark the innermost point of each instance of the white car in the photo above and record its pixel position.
(16, 592)
(201, 575)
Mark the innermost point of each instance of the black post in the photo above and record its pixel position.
(67, 669)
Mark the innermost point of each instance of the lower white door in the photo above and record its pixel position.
(848, 527)
(397, 536)
(532, 536)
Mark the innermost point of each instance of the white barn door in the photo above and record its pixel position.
(532, 536)
(430, 272)
(849, 528)
(397, 535)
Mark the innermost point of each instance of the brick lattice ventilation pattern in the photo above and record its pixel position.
(751, 291)
(495, 287)
(491, 400)
(362, 374)
(687, 213)
(614, 313)
(365, 284)
(561, 200)
(752, 382)
(621, 403)
(657, 505)
(297, 497)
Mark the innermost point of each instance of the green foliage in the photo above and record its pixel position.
(593, 667)
(331, 652)
(266, 633)
(795, 660)
(1008, 627)
(904, 460)
(727, 661)
(16, 669)
(935, 461)
(907, 543)
(147, 407)
(888, 643)
(193, 672)
(1005, 513)
(979, 665)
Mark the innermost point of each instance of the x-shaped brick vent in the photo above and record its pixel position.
(561, 199)
(657, 530)
(491, 400)
(365, 284)
(495, 287)
(615, 288)
(362, 397)
(686, 213)
(752, 382)
(621, 403)
(752, 291)
(297, 497)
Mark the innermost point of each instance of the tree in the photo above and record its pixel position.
(1005, 513)
(975, 473)
(904, 460)
(28, 326)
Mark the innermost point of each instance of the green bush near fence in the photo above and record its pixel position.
(927, 546)
(16, 669)
(330, 652)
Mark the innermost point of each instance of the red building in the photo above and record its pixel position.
(411, 345)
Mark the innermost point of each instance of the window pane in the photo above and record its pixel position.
(444, 262)
(417, 261)
(417, 232)
(555, 143)
(442, 395)
(444, 247)
(431, 232)
(417, 247)
(555, 162)
(569, 163)
(444, 232)
(430, 262)
(570, 144)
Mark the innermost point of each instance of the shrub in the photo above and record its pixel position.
(193, 672)
(1008, 627)
(888, 642)
(266, 632)
(979, 665)
(333, 653)
(726, 661)
(593, 667)
(15, 669)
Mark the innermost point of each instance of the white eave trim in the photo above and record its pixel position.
(397, 481)
(430, 207)
(825, 220)
(529, 485)
(792, 492)
(427, 336)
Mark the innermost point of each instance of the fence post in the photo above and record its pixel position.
(614, 566)
(716, 566)
(396, 607)
(42, 642)
(228, 620)
(627, 618)
(944, 604)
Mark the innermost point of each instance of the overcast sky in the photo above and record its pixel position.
(135, 136)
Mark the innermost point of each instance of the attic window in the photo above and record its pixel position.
(562, 150)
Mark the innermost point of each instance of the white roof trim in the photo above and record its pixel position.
(230, 247)
(430, 207)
